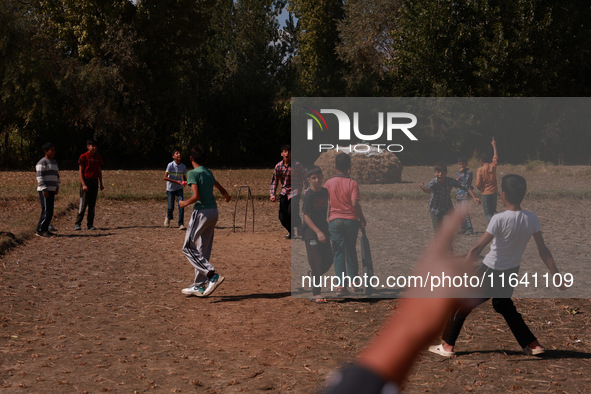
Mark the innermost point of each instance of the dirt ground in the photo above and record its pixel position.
(102, 311)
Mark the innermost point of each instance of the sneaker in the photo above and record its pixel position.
(182, 227)
(51, 228)
(288, 236)
(214, 282)
(166, 222)
(92, 228)
(533, 352)
(43, 234)
(194, 290)
(438, 349)
(77, 227)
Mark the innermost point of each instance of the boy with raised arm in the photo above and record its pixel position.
(486, 181)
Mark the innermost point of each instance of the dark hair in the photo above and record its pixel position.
(463, 158)
(199, 154)
(485, 157)
(286, 147)
(175, 151)
(91, 142)
(514, 186)
(342, 162)
(47, 146)
(314, 170)
(441, 167)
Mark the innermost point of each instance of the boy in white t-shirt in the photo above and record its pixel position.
(509, 232)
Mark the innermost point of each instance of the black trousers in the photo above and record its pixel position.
(47, 204)
(503, 305)
(285, 212)
(320, 260)
(88, 199)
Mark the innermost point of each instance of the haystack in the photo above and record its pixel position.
(367, 168)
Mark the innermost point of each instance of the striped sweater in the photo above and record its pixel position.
(48, 175)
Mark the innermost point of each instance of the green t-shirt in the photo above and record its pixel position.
(203, 178)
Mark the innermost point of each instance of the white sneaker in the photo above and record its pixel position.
(533, 352)
(214, 282)
(166, 222)
(194, 290)
(438, 349)
(182, 227)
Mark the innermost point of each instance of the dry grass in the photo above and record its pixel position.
(19, 200)
(19, 206)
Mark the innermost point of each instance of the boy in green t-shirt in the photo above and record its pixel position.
(199, 237)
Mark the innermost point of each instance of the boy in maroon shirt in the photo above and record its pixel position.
(91, 178)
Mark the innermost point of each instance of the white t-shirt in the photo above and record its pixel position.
(512, 231)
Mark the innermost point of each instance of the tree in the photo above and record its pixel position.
(319, 68)
(172, 44)
(491, 48)
(29, 68)
(366, 46)
(247, 59)
(99, 92)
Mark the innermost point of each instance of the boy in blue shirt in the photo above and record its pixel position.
(199, 238)
(175, 177)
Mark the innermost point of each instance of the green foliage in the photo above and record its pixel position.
(492, 48)
(366, 46)
(320, 70)
(145, 78)
(248, 59)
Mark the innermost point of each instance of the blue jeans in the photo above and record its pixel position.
(343, 233)
(467, 224)
(489, 204)
(172, 196)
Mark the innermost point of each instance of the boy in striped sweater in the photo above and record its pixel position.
(48, 184)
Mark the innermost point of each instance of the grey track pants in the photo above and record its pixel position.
(199, 241)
